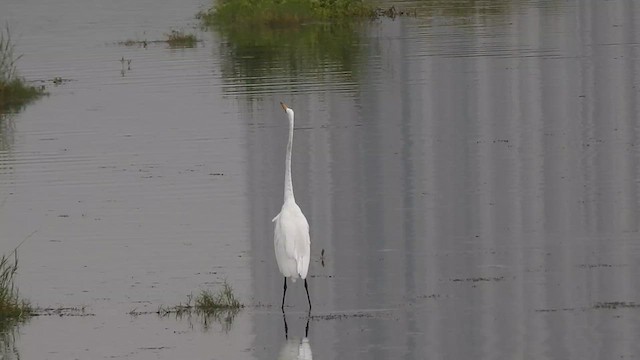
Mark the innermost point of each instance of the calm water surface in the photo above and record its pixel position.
(470, 173)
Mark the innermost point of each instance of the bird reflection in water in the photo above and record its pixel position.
(295, 348)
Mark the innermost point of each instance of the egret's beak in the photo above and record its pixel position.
(284, 106)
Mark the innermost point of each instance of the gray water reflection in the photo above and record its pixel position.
(296, 349)
(482, 187)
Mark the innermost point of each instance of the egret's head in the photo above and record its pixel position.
(287, 109)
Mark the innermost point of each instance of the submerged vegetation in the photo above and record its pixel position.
(14, 91)
(12, 307)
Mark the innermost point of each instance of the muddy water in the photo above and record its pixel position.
(471, 175)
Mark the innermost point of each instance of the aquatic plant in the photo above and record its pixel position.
(14, 91)
(179, 38)
(222, 300)
(221, 307)
(12, 307)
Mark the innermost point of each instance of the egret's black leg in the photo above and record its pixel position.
(307, 288)
(286, 328)
(284, 293)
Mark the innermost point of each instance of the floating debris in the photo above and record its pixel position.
(616, 305)
(478, 279)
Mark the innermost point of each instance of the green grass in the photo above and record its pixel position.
(206, 302)
(284, 13)
(14, 91)
(221, 307)
(12, 307)
(224, 299)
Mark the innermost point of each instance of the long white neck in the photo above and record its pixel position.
(288, 183)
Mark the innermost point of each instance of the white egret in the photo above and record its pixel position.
(291, 235)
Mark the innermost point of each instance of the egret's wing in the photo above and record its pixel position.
(302, 249)
(293, 237)
(281, 237)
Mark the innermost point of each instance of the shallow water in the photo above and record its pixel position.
(470, 173)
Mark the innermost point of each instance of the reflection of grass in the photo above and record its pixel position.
(283, 13)
(314, 52)
(14, 92)
(8, 349)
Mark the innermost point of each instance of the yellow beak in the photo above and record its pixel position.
(284, 106)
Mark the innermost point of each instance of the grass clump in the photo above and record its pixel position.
(223, 300)
(14, 91)
(221, 307)
(179, 38)
(12, 307)
(284, 13)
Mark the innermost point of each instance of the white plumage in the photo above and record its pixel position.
(292, 242)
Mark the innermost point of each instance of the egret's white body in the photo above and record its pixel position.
(291, 234)
(292, 242)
